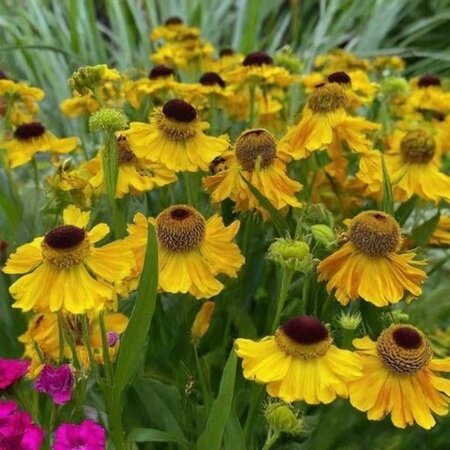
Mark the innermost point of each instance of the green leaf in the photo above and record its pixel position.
(136, 333)
(211, 438)
(152, 435)
(405, 209)
(388, 198)
(423, 232)
(277, 219)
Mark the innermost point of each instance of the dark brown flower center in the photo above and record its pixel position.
(212, 79)
(160, 71)
(64, 237)
(339, 77)
(418, 147)
(226, 52)
(173, 21)
(3, 75)
(407, 338)
(254, 145)
(257, 59)
(180, 228)
(305, 330)
(29, 131)
(428, 80)
(179, 110)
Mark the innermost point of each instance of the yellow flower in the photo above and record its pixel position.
(21, 92)
(390, 63)
(202, 321)
(325, 122)
(135, 175)
(257, 160)
(43, 334)
(427, 94)
(413, 166)
(192, 250)
(441, 235)
(369, 265)
(228, 60)
(341, 60)
(399, 378)
(65, 271)
(175, 138)
(80, 105)
(210, 86)
(174, 30)
(300, 362)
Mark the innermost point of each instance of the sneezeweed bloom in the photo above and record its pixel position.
(399, 378)
(192, 250)
(135, 175)
(325, 123)
(90, 79)
(300, 362)
(427, 94)
(87, 435)
(20, 97)
(65, 271)
(17, 430)
(12, 370)
(175, 138)
(256, 159)
(369, 265)
(413, 163)
(174, 30)
(79, 105)
(57, 382)
(31, 138)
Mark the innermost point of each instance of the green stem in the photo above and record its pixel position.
(61, 338)
(272, 437)
(252, 116)
(105, 350)
(87, 344)
(286, 278)
(203, 385)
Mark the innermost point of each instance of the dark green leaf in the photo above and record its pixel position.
(405, 209)
(388, 199)
(152, 435)
(423, 232)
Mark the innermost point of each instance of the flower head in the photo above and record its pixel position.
(12, 370)
(87, 435)
(57, 382)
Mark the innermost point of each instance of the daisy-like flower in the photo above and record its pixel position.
(413, 164)
(26, 95)
(256, 159)
(369, 265)
(174, 30)
(300, 362)
(135, 175)
(427, 94)
(324, 122)
(65, 271)
(175, 138)
(192, 250)
(79, 105)
(441, 235)
(399, 378)
(31, 138)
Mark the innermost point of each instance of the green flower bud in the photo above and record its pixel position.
(87, 78)
(108, 119)
(282, 419)
(392, 86)
(291, 254)
(399, 316)
(318, 213)
(324, 235)
(286, 58)
(349, 322)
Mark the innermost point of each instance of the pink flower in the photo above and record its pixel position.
(88, 435)
(12, 370)
(17, 431)
(56, 382)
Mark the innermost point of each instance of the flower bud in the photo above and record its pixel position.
(349, 322)
(291, 254)
(202, 321)
(392, 86)
(324, 235)
(108, 119)
(86, 79)
(282, 419)
(286, 58)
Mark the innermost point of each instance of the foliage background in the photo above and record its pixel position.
(44, 41)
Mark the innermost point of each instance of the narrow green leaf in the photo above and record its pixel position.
(423, 232)
(152, 435)
(141, 317)
(277, 219)
(405, 209)
(388, 199)
(211, 438)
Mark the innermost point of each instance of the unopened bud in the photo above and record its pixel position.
(283, 419)
(108, 119)
(292, 254)
(324, 235)
(349, 322)
(86, 79)
(393, 86)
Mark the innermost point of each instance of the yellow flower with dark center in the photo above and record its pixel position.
(210, 88)
(413, 164)
(325, 123)
(42, 335)
(22, 93)
(175, 138)
(399, 378)
(369, 265)
(65, 271)
(174, 30)
(300, 362)
(192, 250)
(79, 105)
(135, 175)
(228, 60)
(31, 138)
(256, 159)
(427, 94)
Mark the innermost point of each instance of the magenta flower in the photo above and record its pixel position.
(56, 382)
(17, 431)
(87, 435)
(12, 370)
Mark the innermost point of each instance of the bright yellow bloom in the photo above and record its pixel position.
(31, 138)
(257, 160)
(79, 105)
(228, 60)
(192, 250)
(325, 122)
(427, 94)
(399, 378)
(43, 334)
(21, 92)
(174, 30)
(300, 362)
(175, 138)
(135, 175)
(65, 271)
(441, 235)
(339, 59)
(412, 163)
(369, 265)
